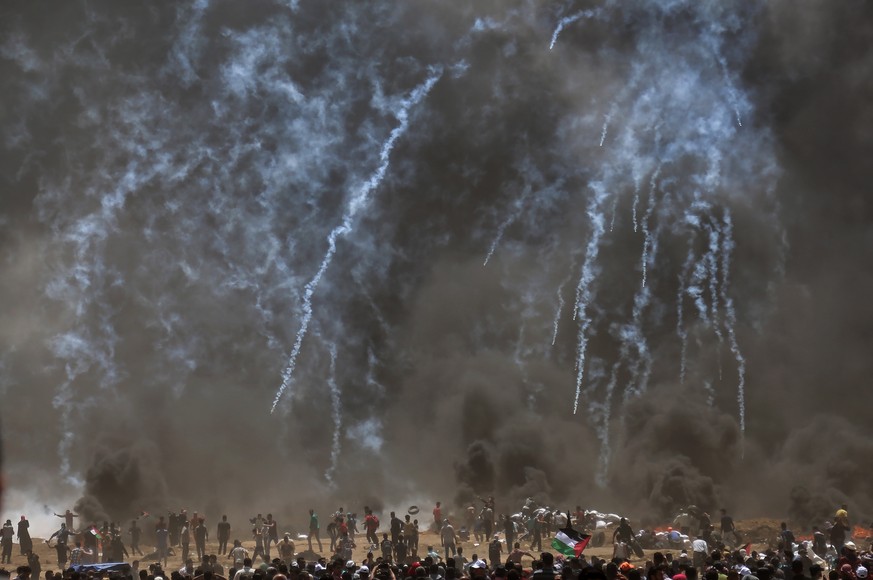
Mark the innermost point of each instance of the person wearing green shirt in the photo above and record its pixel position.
(313, 530)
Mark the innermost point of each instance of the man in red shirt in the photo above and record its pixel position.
(437, 516)
(371, 524)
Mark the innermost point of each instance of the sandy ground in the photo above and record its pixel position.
(761, 532)
(48, 556)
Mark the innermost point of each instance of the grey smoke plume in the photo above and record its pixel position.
(183, 233)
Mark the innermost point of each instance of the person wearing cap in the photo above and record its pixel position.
(478, 569)
(849, 556)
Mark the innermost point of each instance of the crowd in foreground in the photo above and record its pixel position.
(397, 555)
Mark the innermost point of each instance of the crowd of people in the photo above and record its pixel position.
(396, 554)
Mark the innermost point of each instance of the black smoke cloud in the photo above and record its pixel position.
(171, 174)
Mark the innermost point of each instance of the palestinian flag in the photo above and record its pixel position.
(97, 534)
(570, 542)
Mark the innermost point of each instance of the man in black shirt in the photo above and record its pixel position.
(838, 536)
(223, 535)
(728, 532)
(396, 527)
(135, 533)
(547, 569)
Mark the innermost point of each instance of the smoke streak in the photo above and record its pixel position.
(336, 411)
(584, 290)
(357, 202)
(566, 21)
(731, 318)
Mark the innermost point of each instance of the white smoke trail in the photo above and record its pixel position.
(647, 240)
(636, 206)
(731, 317)
(710, 393)
(713, 41)
(358, 201)
(337, 415)
(560, 307)
(680, 311)
(603, 428)
(642, 367)
(711, 260)
(517, 208)
(584, 290)
(570, 20)
(606, 119)
(614, 212)
(699, 278)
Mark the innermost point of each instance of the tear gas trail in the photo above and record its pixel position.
(567, 20)
(336, 408)
(584, 289)
(560, 308)
(731, 317)
(518, 206)
(356, 203)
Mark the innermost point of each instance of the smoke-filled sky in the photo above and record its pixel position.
(609, 253)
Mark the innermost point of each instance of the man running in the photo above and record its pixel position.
(371, 524)
(61, 548)
(238, 554)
